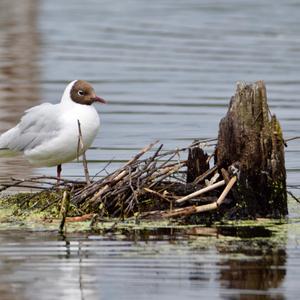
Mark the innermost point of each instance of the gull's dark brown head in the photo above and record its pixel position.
(83, 93)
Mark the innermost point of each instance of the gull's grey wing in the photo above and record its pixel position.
(39, 124)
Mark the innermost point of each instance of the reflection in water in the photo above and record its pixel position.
(260, 270)
(99, 267)
(18, 71)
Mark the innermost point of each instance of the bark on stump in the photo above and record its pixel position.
(251, 138)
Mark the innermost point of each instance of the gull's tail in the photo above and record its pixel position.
(5, 138)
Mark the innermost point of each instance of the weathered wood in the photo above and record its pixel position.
(207, 173)
(252, 140)
(196, 164)
(64, 210)
(186, 211)
(80, 147)
(202, 191)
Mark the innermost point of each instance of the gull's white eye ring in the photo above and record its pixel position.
(80, 92)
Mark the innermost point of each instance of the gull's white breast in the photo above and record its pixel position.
(62, 147)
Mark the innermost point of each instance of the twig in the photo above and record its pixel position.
(6, 186)
(118, 175)
(293, 196)
(210, 157)
(85, 166)
(82, 218)
(194, 144)
(97, 197)
(157, 194)
(202, 208)
(228, 187)
(64, 210)
(293, 138)
(202, 191)
(142, 152)
(205, 174)
(103, 169)
(134, 192)
(49, 204)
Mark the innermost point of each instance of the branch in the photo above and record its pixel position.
(202, 208)
(202, 191)
(84, 161)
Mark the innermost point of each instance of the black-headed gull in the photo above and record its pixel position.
(48, 133)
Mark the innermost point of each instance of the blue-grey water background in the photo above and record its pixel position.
(168, 70)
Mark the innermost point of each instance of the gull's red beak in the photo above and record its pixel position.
(98, 99)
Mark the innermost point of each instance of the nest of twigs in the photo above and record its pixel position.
(153, 184)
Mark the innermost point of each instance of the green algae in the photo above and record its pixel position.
(14, 214)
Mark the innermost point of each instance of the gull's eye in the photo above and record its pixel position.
(80, 92)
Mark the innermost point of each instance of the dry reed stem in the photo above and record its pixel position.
(202, 191)
(205, 174)
(228, 187)
(202, 208)
(82, 218)
(157, 194)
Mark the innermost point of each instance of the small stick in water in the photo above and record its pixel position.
(80, 145)
(64, 210)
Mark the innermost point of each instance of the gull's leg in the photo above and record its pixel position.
(58, 173)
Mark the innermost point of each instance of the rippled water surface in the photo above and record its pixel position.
(210, 264)
(168, 70)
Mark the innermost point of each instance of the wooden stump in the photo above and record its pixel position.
(251, 138)
(196, 164)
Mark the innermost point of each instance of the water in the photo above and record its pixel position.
(215, 264)
(168, 70)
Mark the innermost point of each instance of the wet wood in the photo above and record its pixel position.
(251, 140)
(64, 210)
(186, 211)
(205, 174)
(82, 218)
(201, 191)
(197, 163)
(225, 192)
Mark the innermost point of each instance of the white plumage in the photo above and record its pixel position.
(48, 133)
